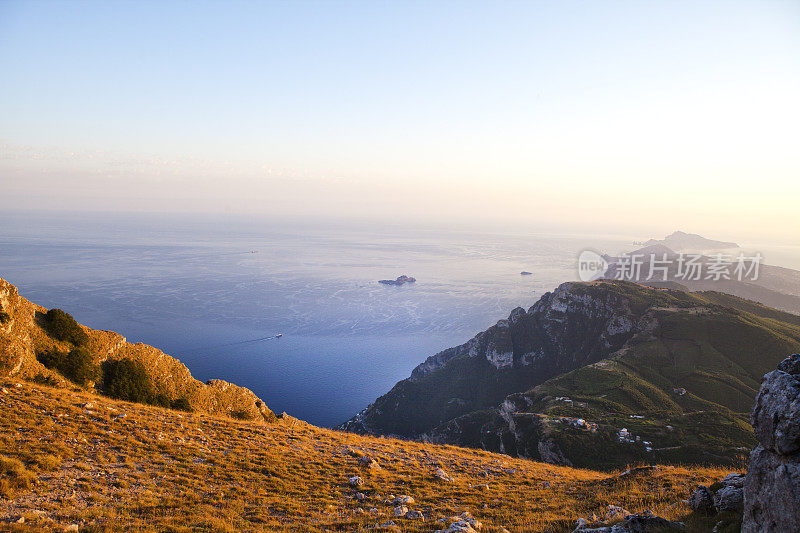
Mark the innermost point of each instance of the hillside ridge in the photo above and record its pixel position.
(98, 464)
(608, 365)
(25, 339)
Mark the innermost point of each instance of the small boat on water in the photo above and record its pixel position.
(279, 335)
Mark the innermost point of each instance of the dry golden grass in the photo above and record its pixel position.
(162, 470)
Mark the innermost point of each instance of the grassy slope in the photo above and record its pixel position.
(717, 354)
(713, 345)
(161, 470)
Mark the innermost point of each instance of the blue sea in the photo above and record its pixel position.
(204, 288)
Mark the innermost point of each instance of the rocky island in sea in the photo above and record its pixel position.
(401, 280)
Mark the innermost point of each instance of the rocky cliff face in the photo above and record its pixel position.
(575, 325)
(597, 375)
(568, 323)
(23, 337)
(772, 486)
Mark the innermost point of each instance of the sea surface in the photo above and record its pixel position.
(209, 289)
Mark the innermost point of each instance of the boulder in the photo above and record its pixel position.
(369, 462)
(635, 523)
(355, 481)
(458, 527)
(643, 524)
(463, 523)
(614, 513)
(400, 510)
(776, 415)
(443, 476)
(734, 479)
(771, 493)
(702, 501)
(729, 498)
(772, 486)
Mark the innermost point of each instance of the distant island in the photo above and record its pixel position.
(689, 241)
(525, 273)
(401, 280)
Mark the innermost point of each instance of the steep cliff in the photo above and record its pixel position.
(597, 374)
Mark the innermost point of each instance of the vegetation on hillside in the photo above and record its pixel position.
(77, 365)
(51, 348)
(127, 379)
(680, 386)
(63, 327)
(109, 465)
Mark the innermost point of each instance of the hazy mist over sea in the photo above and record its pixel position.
(198, 287)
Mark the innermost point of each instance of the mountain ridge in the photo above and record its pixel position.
(583, 335)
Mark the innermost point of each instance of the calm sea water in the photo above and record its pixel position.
(199, 288)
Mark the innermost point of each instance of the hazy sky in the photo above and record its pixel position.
(637, 115)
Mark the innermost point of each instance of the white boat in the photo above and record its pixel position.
(279, 335)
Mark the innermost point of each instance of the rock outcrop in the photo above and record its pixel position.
(634, 523)
(727, 495)
(24, 337)
(772, 486)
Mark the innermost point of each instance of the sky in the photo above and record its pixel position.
(643, 117)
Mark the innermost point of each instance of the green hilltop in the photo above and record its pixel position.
(621, 373)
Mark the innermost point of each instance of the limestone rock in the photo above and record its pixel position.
(636, 523)
(702, 501)
(442, 475)
(772, 486)
(776, 415)
(771, 493)
(729, 498)
(369, 462)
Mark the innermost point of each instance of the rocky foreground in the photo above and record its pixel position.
(76, 460)
(772, 486)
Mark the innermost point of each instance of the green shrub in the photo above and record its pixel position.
(77, 365)
(48, 380)
(14, 477)
(160, 400)
(241, 414)
(126, 379)
(62, 326)
(182, 404)
(51, 359)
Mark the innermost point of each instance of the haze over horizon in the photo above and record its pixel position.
(615, 115)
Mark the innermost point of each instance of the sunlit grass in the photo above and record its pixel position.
(160, 470)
